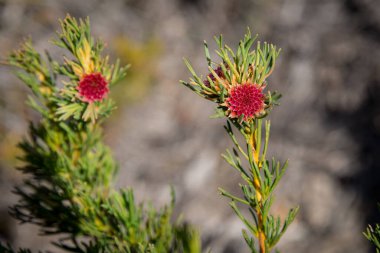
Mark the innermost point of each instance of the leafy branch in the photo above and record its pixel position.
(260, 181)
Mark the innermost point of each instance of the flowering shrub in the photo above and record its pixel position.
(70, 170)
(236, 83)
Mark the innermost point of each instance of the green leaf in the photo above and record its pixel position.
(219, 113)
(66, 111)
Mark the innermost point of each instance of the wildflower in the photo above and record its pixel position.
(93, 87)
(246, 99)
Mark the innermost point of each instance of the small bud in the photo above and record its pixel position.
(219, 73)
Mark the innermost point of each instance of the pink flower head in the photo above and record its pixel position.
(93, 87)
(246, 99)
(218, 71)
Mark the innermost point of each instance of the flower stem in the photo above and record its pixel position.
(255, 142)
(261, 234)
(262, 242)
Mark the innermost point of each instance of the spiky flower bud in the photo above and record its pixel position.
(219, 73)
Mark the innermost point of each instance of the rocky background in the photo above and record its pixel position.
(328, 123)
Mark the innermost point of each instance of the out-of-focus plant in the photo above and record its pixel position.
(373, 235)
(143, 57)
(237, 84)
(69, 170)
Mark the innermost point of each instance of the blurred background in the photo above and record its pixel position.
(328, 123)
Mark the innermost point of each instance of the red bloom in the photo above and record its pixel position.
(247, 99)
(93, 87)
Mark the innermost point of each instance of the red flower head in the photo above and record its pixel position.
(93, 87)
(247, 99)
(218, 71)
